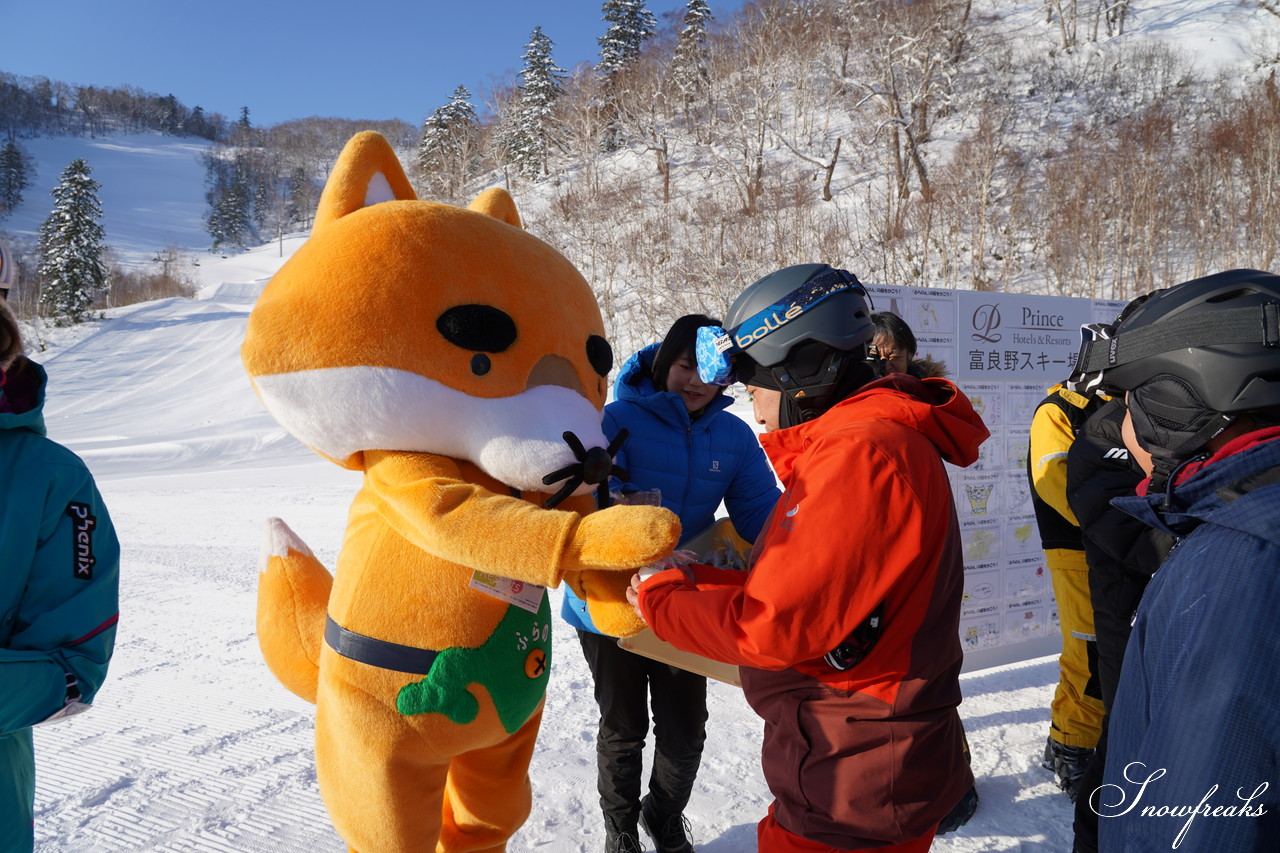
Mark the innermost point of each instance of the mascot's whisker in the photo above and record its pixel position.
(594, 467)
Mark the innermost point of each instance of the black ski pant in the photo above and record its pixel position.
(625, 686)
(1115, 598)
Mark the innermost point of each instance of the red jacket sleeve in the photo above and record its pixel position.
(859, 524)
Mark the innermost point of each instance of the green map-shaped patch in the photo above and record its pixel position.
(508, 665)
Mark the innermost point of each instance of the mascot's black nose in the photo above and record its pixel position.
(597, 466)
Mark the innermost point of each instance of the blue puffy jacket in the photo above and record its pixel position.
(696, 463)
(58, 589)
(1196, 708)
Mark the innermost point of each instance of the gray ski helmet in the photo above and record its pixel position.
(1194, 356)
(803, 330)
(843, 322)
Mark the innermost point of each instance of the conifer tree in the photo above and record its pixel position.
(529, 128)
(71, 247)
(689, 67)
(243, 133)
(230, 195)
(198, 124)
(13, 177)
(230, 221)
(302, 197)
(170, 115)
(266, 205)
(448, 145)
(630, 24)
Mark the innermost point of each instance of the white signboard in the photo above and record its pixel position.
(1004, 351)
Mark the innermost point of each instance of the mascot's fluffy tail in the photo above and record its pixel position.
(293, 594)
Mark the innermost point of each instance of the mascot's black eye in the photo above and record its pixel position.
(481, 328)
(480, 364)
(600, 354)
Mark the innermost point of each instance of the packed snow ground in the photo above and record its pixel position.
(193, 746)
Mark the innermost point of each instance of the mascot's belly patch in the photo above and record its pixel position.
(513, 665)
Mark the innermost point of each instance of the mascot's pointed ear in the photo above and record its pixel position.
(499, 204)
(367, 172)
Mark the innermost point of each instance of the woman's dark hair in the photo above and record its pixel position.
(893, 326)
(678, 342)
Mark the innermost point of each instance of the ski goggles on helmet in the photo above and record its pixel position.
(1085, 377)
(716, 348)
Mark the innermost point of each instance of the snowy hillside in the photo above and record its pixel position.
(152, 190)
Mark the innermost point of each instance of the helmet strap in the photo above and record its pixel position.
(838, 374)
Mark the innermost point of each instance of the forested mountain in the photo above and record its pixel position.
(32, 106)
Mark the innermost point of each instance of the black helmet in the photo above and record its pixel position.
(803, 330)
(1192, 358)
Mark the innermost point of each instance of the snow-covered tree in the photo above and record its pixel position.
(198, 125)
(689, 69)
(232, 183)
(447, 148)
(170, 114)
(14, 177)
(243, 132)
(302, 197)
(268, 204)
(230, 221)
(71, 247)
(630, 24)
(529, 126)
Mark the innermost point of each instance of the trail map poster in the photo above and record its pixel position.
(1004, 351)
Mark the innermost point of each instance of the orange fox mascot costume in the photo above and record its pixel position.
(444, 352)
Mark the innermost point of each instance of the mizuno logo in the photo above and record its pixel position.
(791, 513)
(1116, 453)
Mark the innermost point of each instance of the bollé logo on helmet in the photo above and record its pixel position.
(771, 323)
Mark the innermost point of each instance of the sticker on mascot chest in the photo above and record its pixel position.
(527, 596)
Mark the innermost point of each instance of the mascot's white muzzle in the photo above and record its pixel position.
(516, 440)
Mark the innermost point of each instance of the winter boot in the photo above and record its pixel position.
(621, 840)
(1068, 764)
(960, 815)
(670, 833)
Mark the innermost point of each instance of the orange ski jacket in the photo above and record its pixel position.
(866, 511)
(867, 518)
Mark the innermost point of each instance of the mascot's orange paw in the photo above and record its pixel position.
(619, 538)
(606, 596)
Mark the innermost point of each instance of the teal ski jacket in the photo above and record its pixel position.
(59, 566)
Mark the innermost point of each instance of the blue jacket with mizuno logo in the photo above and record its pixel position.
(696, 463)
(1196, 708)
(60, 559)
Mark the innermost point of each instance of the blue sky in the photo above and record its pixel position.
(285, 60)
